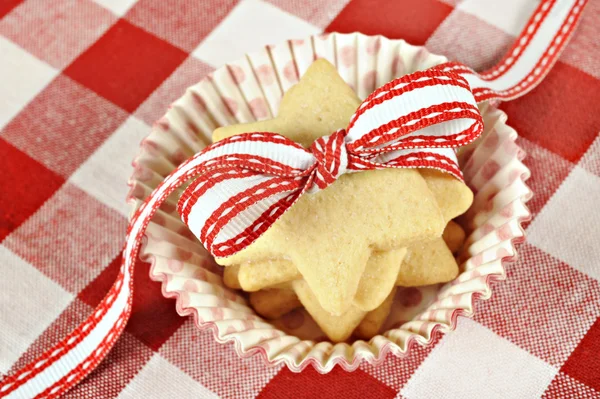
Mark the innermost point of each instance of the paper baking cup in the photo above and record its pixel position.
(250, 89)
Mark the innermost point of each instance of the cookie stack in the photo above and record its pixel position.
(341, 252)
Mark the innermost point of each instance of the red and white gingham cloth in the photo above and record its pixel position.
(81, 82)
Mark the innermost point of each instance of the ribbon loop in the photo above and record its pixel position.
(398, 115)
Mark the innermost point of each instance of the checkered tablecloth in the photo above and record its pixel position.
(82, 81)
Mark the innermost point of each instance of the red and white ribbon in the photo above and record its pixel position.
(532, 55)
(371, 141)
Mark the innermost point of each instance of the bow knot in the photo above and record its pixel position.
(331, 159)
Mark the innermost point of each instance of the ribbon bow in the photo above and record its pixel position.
(246, 182)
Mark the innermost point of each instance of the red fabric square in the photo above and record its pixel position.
(177, 21)
(153, 317)
(412, 20)
(549, 329)
(126, 65)
(556, 114)
(96, 290)
(63, 125)
(336, 384)
(71, 238)
(25, 185)
(584, 364)
(7, 5)
(56, 34)
(565, 387)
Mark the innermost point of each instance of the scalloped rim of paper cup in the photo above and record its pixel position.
(250, 89)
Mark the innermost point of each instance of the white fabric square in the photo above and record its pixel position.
(508, 15)
(118, 7)
(473, 362)
(105, 173)
(29, 303)
(251, 25)
(568, 227)
(161, 379)
(23, 77)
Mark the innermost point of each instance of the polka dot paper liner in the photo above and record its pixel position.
(251, 89)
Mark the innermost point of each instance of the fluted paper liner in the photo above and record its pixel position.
(250, 89)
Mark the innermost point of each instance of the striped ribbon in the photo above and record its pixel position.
(402, 124)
